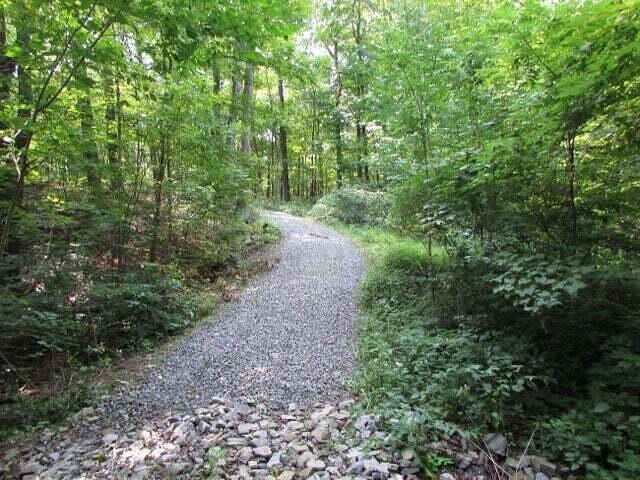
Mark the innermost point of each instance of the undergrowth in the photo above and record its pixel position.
(299, 207)
(58, 339)
(428, 372)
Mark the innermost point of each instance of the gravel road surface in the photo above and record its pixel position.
(288, 338)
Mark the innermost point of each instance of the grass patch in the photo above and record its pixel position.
(297, 206)
(379, 244)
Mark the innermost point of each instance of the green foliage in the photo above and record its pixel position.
(428, 376)
(107, 315)
(502, 138)
(601, 434)
(20, 412)
(352, 206)
(535, 283)
(503, 367)
(65, 324)
(507, 142)
(126, 310)
(215, 461)
(123, 189)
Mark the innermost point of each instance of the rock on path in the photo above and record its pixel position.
(232, 440)
(288, 338)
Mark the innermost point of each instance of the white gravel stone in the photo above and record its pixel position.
(262, 451)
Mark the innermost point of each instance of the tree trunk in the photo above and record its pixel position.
(8, 242)
(7, 68)
(158, 183)
(236, 88)
(365, 152)
(247, 109)
(9, 186)
(87, 127)
(217, 112)
(361, 128)
(23, 139)
(113, 123)
(335, 56)
(313, 186)
(359, 150)
(284, 161)
(272, 155)
(571, 188)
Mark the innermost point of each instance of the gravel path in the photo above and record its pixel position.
(288, 338)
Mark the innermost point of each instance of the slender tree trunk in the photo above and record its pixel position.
(113, 130)
(339, 156)
(299, 176)
(313, 187)
(272, 179)
(365, 151)
(358, 29)
(335, 56)
(168, 194)
(90, 151)
(23, 139)
(113, 122)
(217, 113)
(247, 109)
(7, 185)
(571, 188)
(236, 88)
(284, 161)
(15, 191)
(87, 127)
(272, 155)
(7, 69)
(158, 183)
(359, 150)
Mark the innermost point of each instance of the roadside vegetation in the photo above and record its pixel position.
(123, 187)
(59, 366)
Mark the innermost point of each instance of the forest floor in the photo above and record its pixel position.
(257, 393)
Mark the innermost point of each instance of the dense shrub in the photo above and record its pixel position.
(225, 246)
(499, 364)
(601, 432)
(106, 314)
(124, 311)
(353, 207)
(429, 376)
(77, 302)
(566, 310)
(407, 206)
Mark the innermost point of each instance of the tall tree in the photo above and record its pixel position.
(247, 108)
(284, 153)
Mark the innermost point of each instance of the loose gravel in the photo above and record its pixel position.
(288, 338)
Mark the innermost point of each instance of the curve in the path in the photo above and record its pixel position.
(288, 338)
